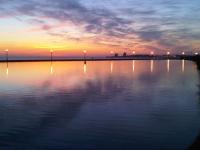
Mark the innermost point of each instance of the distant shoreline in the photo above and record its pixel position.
(111, 58)
(140, 57)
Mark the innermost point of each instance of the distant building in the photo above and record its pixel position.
(116, 54)
(124, 54)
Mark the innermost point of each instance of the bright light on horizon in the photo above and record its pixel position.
(152, 53)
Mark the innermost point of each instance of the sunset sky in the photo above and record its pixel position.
(33, 27)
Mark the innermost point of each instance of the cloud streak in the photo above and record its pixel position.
(127, 23)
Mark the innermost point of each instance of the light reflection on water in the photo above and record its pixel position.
(168, 65)
(152, 65)
(183, 65)
(99, 105)
(133, 65)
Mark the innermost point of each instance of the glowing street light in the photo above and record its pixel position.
(152, 53)
(111, 53)
(168, 53)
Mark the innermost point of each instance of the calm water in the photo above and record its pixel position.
(101, 105)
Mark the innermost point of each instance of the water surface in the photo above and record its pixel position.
(99, 105)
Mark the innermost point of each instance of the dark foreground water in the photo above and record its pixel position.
(102, 105)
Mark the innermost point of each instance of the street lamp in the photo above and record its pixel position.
(51, 51)
(84, 53)
(111, 52)
(168, 53)
(6, 55)
(152, 53)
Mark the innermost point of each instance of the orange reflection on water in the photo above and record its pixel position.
(133, 66)
(7, 71)
(111, 67)
(51, 69)
(168, 65)
(85, 68)
(183, 65)
(152, 66)
(69, 75)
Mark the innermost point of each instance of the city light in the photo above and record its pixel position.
(168, 53)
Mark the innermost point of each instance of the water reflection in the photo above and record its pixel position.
(196, 144)
(111, 67)
(152, 66)
(102, 111)
(133, 66)
(7, 70)
(183, 65)
(51, 68)
(168, 65)
(85, 68)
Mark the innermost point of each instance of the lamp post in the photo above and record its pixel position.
(51, 51)
(111, 52)
(6, 55)
(84, 52)
(84, 55)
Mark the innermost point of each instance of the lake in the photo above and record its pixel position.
(99, 105)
